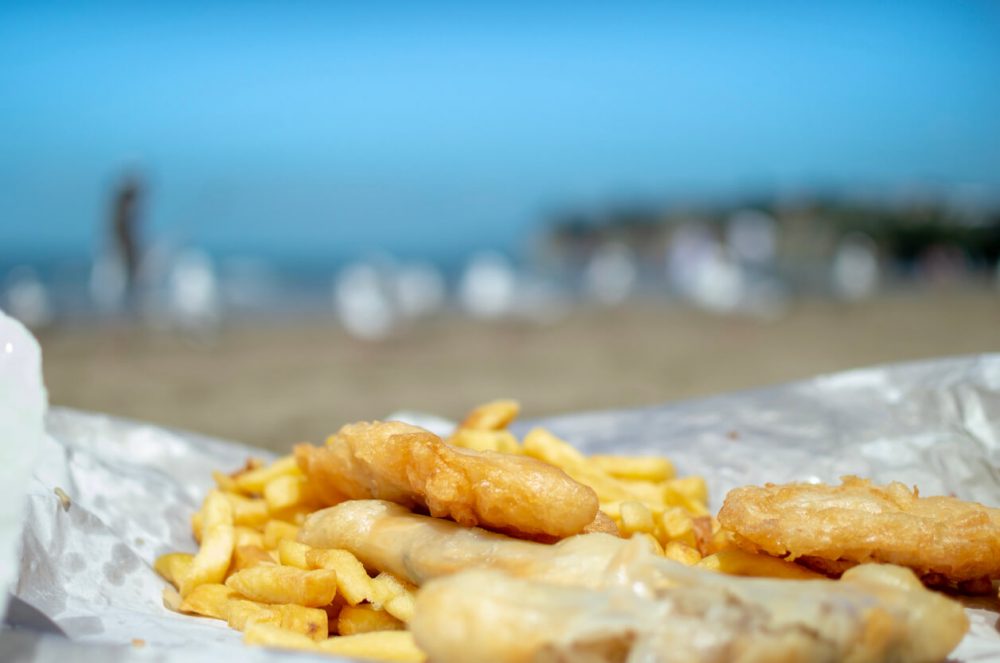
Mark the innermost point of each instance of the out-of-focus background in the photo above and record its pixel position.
(261, 220)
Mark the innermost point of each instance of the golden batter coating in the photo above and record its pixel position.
(835, 527)
(413, 467)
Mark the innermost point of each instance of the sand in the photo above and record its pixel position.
(273, 385)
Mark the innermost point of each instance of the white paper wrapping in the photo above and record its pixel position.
(22, 411)
(134, 486)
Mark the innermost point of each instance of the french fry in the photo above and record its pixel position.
(741, 563)
(242, 614)
(681, 552)
(196, 525)
(293, 553)
(173, 566)
(269, 635)
(393, 595)
(352, 579)
(246, 536)
(245, 557)
(676, 525)
(253, 481)
(635, 517)
(365, 619)
(309, 622)
(172, 599)
(248, 511)
(653, 542)
(212, 560)
(648, 468)
(543, 445)
(277, 530)
(209, 600)
(285, 492)
(395, 646)
(485, 440)
(495, 415)
(382, 645)
(225, 482)
(285, 584)
(690, 492)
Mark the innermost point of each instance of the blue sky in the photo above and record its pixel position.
(332, 127)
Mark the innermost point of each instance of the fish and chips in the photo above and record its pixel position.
(944, 540)
(415, 468)
(391, 543)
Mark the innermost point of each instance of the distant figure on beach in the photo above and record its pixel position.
(125, 215)
(115, 275)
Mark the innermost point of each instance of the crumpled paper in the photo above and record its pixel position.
(134, 486)
(23, 402)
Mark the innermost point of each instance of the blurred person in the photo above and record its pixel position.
(125, 220)
(419, 289)
(116, 270)
(752, 236)
(364, 301)
(488, 287)
(701, 269)
(27, 299)
(855, 272)
(611, 273)
(193, 299)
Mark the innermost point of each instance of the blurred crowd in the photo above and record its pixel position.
(746, 259)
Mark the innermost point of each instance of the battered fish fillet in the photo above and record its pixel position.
(413, 467)
(666, 612)
(832, 528)
(388, 537)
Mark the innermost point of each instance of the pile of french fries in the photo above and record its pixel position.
(252, 573)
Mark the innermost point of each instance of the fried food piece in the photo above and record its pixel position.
(495, 415)
(413, 467)
(388, 537)
(604, 524)
(667, 612)
(834, 527)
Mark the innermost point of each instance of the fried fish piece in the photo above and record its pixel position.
(663, 611)
(388, 537)
(831, 528)
(415, 468)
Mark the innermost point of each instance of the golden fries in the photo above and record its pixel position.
(393, 595)
(251, 572)
(275, 531)
(381, 645)
(352, 579)
(642, 495)
(627, 467)
(254, 481)
(209, 600)
(173, 566)
(741, 563)
(495, 415)
(212, 560)
(365, 619)
(285, 584)
(245, 557)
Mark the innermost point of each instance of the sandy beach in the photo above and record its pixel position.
(275, 384)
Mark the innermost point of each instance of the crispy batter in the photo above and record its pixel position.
(663, 611)
(416, 548)
(835, 527)
(602, 524)
(413, 467)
